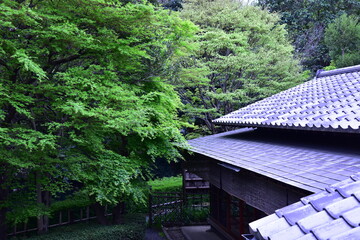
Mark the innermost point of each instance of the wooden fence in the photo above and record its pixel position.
(59, 218)
(176, 208)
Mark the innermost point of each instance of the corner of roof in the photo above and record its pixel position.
(322, 73)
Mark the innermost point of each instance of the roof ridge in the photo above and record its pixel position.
(322, 73)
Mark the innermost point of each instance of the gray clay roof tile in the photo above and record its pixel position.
(261, 222)
(352, 217)
(325, 231)
(294, 216)
(336, 209)
(353, 234)
(310, 222)
(348, 189)
(276, 226)
(327, 215)
(320, 203)
(329, 102)
(291, 233)
(284, 210)
(308, 236)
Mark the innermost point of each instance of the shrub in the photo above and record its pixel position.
(167, 184)
(134, 229)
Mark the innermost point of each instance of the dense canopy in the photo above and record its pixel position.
(242, 55)
(85, 102)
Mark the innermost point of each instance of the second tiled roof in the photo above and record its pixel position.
(283, 157)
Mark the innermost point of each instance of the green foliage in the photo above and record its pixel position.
(187, 216)
(166, 184)
(195, 215)
(85, 97)
(306, 22)
(77, 200)
(342, 38)
(242, 56)
(133, 229)
(23, 214)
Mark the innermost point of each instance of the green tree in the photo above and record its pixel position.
(306, 21)
(242, 55)
(342, 37)
(84, 99)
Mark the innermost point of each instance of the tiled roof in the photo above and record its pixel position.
(332, 214)
(310, 162)
(329, 102)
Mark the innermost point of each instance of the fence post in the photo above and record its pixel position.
(60, 218)
(150, 207)
(87, 213)
(182, 201)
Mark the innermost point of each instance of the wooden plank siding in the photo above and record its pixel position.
(256, 190)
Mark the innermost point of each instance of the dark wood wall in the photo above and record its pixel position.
(256, 190)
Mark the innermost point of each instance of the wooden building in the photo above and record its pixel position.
(288, 146)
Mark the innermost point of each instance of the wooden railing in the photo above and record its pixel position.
(59, 218)
(169, 208)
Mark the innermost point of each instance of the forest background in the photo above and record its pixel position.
(94, 92)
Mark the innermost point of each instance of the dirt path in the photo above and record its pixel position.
(174, 233)
(152, 234)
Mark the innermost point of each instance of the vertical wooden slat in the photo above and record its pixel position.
(25, 227)
(150, 208)
(241, 216)
(87, 213)
(228, 212)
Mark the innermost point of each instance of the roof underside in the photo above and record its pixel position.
(330, 214)
(330, 102)
(309, 162)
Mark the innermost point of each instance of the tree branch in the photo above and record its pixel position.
(65, 60)
(3, 63)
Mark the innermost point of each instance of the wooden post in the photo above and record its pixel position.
(25, 228)
(60, 217)
(69, 217)
(241, 216)
(228, 212)
(150, 208)
(182, 199)
(87, 213)
(256, 214)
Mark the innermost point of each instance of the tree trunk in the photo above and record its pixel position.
(4, 193)
(100, 214)
(118, 212)
(3, 226)
(40, 222)
(43, 197)
(46, 201)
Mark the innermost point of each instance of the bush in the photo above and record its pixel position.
(167, 184)
(134, 229)
(187, 216)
